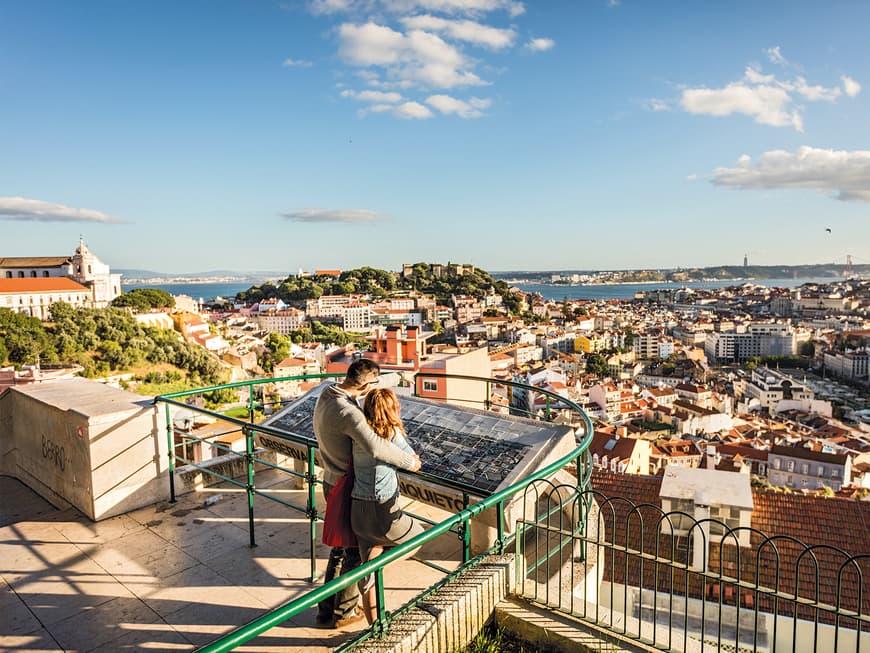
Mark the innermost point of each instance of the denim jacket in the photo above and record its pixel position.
(374, 480)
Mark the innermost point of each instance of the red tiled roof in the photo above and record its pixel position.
(40, 284)
(33, 261)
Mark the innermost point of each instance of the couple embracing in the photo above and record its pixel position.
(372, 438)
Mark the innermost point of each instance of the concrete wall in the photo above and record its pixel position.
(101, 449)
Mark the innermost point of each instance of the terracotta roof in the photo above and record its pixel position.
(40, 284)
(836, 528)
(33, 261)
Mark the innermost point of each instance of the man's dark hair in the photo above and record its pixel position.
(359, 371)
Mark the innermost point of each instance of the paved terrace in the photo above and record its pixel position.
(171, 577)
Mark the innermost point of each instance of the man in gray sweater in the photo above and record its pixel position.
(338, 423)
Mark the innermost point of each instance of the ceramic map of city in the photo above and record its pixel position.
(454, 443)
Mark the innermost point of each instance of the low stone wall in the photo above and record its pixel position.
(101, 449)
(451, 617)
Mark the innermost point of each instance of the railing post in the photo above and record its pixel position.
(547, 414)
(381, 624)
(311, 478)
(251, 403)
(465, 531)
(499, 518)
(249, 462)
(170, 438)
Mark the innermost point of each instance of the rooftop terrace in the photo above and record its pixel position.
(169, 577)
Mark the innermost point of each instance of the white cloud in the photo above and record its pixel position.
(655, 104)
(412, 110)
(28, 210)
(411, 50)
(417, 58)
(463, 30)
(466, 7)
(540, 45)
(297, 63)
(473, 108)
(775, 56)
(406, 110)
(347, 216)
(373, 96)
(329, 6)
(850, 86)
(768, 105)
(768, 100)
(812, 93)
(613, 3)
(845, 174)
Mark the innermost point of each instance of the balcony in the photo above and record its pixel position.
(230, 565)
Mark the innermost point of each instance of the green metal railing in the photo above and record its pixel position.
(749, 592)
(457, 524)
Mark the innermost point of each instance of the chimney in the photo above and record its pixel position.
(621, 432)
(712, 458)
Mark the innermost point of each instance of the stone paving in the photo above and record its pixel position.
(171, 577)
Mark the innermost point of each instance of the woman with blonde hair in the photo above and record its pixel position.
(376, 517)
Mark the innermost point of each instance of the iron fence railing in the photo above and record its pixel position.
(550, 406)
(632, 572)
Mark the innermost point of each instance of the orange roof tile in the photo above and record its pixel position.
(40, 284)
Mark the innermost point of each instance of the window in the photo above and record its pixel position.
(9, 274)
(430, 385)
(820, 471)
(790, 465)
(33, 273)
(45, 273)
(805, 468)
(835, 473)
(776, 463)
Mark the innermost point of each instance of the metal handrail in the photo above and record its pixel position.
(458, 521)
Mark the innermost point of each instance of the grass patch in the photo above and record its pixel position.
(494, 639)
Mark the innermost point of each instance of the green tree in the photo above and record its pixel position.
(143, 300)
(597, 364)
(25, 339)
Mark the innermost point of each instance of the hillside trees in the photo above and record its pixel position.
(143, 300)
(101, 341)
(24, 340)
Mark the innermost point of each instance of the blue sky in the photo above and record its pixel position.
(187, 136)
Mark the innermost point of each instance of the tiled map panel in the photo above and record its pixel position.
(454, 443)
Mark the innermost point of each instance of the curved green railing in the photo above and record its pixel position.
(458, 523)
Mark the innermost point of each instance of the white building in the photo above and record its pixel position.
(285, 321)
(853, 365)
(766, 339)
(357, 319)
(83, 267)
(34, 296)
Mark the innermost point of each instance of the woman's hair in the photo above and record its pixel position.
(382, 412)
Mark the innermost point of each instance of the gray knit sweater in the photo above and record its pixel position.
(339, 421)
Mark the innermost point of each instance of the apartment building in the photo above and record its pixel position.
(853, 365)
(802, 468)
(770, 387)
(357, 318)
(764, 339)
(282, 321)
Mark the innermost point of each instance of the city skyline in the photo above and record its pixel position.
(606, 135)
